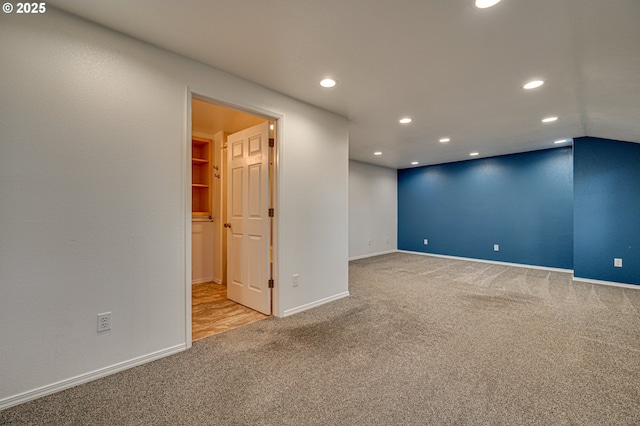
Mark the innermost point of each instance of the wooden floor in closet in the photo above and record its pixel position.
(213, 313)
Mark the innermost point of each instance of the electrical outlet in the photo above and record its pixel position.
(368, 242)
(617, 262)
(296, 281)
(104, 321)
(426, 242)
(496, 247)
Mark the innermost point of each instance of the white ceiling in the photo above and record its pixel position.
(455, 69)
(211, 119)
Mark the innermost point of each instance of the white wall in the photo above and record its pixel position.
(202, 251)
(373, 210)
(94, 206)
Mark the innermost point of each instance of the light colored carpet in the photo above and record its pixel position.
(422, 340)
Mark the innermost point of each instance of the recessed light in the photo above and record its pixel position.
(405, 120)
(414, 163)
(473, 154)
(445, 140)
(483, 4)
(328, 83)
(533, 84)
(377, 153)
(549, 119)
(560, 141)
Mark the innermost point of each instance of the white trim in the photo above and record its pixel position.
(364, 256)
(609, 283)
(188, 217)
(204, 280)
(84, 378)
(471, 259)
(278, 243)
(520, 265)
(315, 304)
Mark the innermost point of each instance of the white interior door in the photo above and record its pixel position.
(248, 237)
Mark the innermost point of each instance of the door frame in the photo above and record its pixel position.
(278, 120)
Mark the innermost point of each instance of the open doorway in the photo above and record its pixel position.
(232, 167)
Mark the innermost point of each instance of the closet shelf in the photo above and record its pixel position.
(201, 176)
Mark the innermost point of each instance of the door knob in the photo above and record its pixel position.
(227, 225)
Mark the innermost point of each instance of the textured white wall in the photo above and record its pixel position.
(202, 251)
(315, 211)
(93, 207)
(373, 210)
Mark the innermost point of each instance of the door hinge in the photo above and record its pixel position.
(271, 283)
(272, 212)
(272, 142)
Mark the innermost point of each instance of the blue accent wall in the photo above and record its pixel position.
(523, 202)
(606, 209)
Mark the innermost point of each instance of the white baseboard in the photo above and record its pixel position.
(84, 378)
(610, 283)
(201, 280)
(364, 256)
(308, 306)
(520, 265)
(471, 259)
